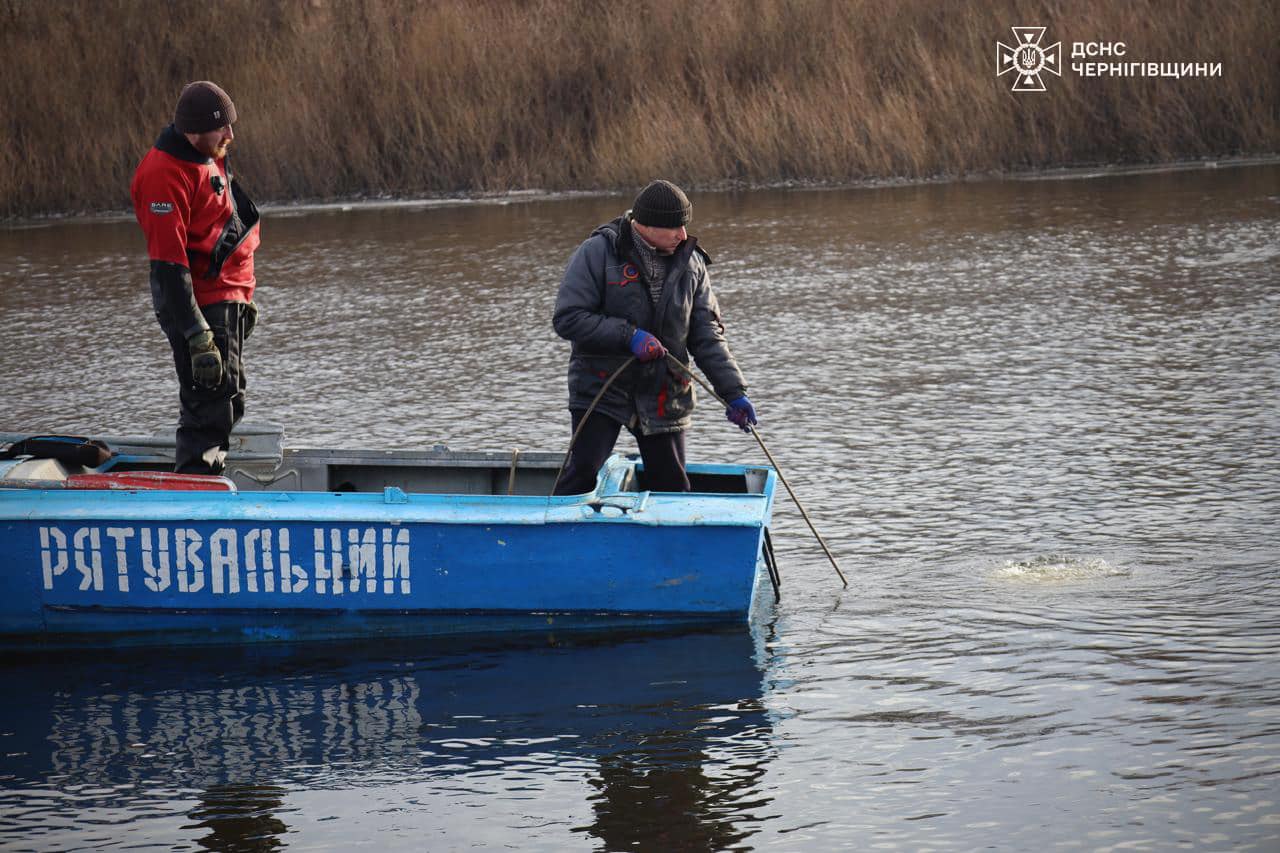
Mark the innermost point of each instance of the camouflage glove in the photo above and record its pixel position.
(206, 361)
(250, 318)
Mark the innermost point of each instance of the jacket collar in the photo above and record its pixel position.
(618, 232)
(176, 145)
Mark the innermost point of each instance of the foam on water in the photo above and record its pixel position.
(1058, 568)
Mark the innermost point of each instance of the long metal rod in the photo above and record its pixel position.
(511, 478)
(685, 368)
(771, 563)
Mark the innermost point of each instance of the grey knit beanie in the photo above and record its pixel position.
(662, 204)
(202, 107)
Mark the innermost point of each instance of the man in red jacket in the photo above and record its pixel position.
(201, 230)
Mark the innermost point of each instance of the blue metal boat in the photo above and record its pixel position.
(318, 544)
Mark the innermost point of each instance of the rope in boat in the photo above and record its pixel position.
(583, 422)
(685, 369)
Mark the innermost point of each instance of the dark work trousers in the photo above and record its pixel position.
(208, 414)
(662, 454)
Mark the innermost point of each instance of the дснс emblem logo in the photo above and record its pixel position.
(1027, 59)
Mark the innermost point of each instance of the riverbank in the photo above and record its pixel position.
(407, 99)
(363, 202)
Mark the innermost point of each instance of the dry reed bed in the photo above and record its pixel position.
(359, 97)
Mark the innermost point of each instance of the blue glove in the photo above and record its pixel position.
(645, 347)
(741, 412)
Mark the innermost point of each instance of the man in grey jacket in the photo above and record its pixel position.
(638, 287)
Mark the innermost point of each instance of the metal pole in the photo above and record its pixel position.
(511, 479)
(781, 476)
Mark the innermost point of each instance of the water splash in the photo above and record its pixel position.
(1058, 568)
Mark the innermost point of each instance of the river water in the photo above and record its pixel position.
(1037, 421)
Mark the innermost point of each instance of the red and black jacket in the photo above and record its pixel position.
(199, 224)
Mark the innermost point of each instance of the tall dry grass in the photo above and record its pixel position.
(357, 97)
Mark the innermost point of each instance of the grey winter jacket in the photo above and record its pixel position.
(601, 303)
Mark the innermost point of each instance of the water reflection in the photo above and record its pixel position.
(669, 732)
(657, 795)
(240, 818)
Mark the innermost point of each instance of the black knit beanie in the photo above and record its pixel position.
(202, 107)
(662, 204)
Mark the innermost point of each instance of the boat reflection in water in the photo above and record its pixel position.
(664, 736)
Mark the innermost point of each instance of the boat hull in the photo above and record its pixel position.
(154, 566)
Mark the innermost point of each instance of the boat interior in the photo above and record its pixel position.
(258, 461)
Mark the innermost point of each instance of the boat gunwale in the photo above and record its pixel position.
(605, 504)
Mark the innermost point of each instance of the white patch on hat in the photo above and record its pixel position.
(160, 208)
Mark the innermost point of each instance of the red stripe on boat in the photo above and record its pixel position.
(164, 480)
